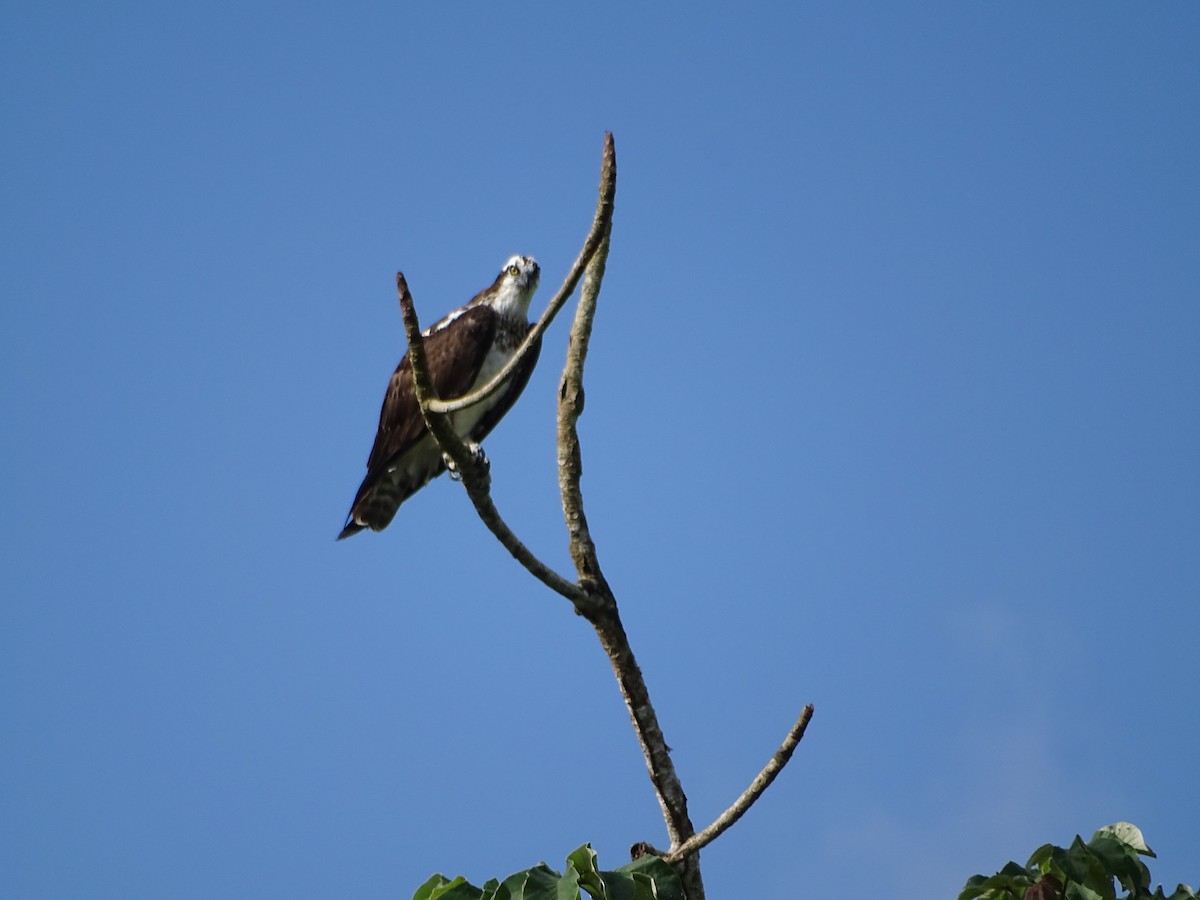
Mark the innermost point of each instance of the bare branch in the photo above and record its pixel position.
(435, 409)
(601, 607)
(667, 787)
(591, 596)
(570, 408)
(752, 793)
(601, 224)
(474, 480)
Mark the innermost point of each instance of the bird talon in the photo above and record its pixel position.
(478, 457)
(481, 463)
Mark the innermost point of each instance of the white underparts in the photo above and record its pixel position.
(465, 420)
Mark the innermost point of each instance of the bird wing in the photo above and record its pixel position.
(509, 393)
(455, 354)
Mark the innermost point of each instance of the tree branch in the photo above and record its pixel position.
(752, 793)
(435, 410)
(474, 479)
(601, 607)
(570, 408)
(601, 224)
(591, 596)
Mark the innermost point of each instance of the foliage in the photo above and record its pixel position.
(1080, 872)
(648, 878)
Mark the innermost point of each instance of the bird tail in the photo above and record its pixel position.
(379, 497)
(352, 527)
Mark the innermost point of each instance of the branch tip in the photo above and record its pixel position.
(761, 782)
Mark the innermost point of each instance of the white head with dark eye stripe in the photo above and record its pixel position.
(514, 287)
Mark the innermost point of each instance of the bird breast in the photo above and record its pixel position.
(498, 354)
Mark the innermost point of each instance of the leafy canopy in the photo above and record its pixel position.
(1091, 871)
(648, 878)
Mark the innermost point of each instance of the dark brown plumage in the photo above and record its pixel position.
(464, 350)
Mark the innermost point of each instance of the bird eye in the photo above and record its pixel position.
(513, 270)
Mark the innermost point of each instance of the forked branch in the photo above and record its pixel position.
(601, 608)
(761, 782)
(590, 594)
(601, 224)
(474, 480)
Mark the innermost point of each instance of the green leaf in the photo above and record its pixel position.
(973, 888)
(650, 873)
(1015, 870)
(643, 888)
(583, 862)
(648, 878)
(1078, 864)
(1129, 834)
(1041, 856)
(539, 883)
(1011, 881)
(1085, 871)
(1121, 861)
(425, 891)
(1077, 891)
(438, 887)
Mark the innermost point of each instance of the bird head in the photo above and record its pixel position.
(514, 286)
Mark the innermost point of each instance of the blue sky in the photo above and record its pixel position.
(892, 408)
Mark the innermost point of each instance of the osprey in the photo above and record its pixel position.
(464, 351)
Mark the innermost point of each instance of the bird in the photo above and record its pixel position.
(464, 350)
